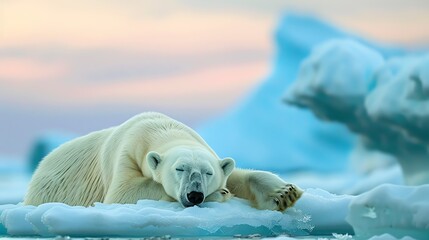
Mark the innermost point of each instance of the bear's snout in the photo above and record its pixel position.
(195, 197)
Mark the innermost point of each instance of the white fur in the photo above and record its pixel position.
(150, 156)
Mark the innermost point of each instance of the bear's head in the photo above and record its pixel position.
(189, 175)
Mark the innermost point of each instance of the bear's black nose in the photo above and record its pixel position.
(195, 197)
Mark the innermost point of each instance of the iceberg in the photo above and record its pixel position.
(263, 133)
(384, 102)
(400, 100)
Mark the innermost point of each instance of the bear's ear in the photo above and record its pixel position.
(227, 165)
(153, 160)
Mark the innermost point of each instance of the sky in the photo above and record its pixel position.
(79, 66)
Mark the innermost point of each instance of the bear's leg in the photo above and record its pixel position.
(134, 189)
(263, 189)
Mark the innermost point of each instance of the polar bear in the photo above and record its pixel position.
(150, 156)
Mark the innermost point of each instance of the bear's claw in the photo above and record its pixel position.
(224, 191)
(286, 196)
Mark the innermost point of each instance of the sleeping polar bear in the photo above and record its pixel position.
(150, 156)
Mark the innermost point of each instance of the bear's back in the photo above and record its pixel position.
(152, 128)
(70, 174)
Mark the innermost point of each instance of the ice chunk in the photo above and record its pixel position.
(398, 210)
(13, 218)
(317, 212)
(152, 218)
(327, 211)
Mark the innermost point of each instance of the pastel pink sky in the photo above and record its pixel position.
(177, 31)
(178, 56)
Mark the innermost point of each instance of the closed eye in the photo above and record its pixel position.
(209, 173)
(179, 170)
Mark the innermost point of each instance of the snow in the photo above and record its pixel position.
(378, 93)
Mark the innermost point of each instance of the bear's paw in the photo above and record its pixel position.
(220, 195)
(271, 192)
(286, 196)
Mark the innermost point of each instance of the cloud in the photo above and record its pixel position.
(82, 24)
(22, 71)
(106, 65)
(80, 50)
(53, 86)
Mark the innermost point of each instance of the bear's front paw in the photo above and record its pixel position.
(220, 195)
(271, 192)
(286, 196)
